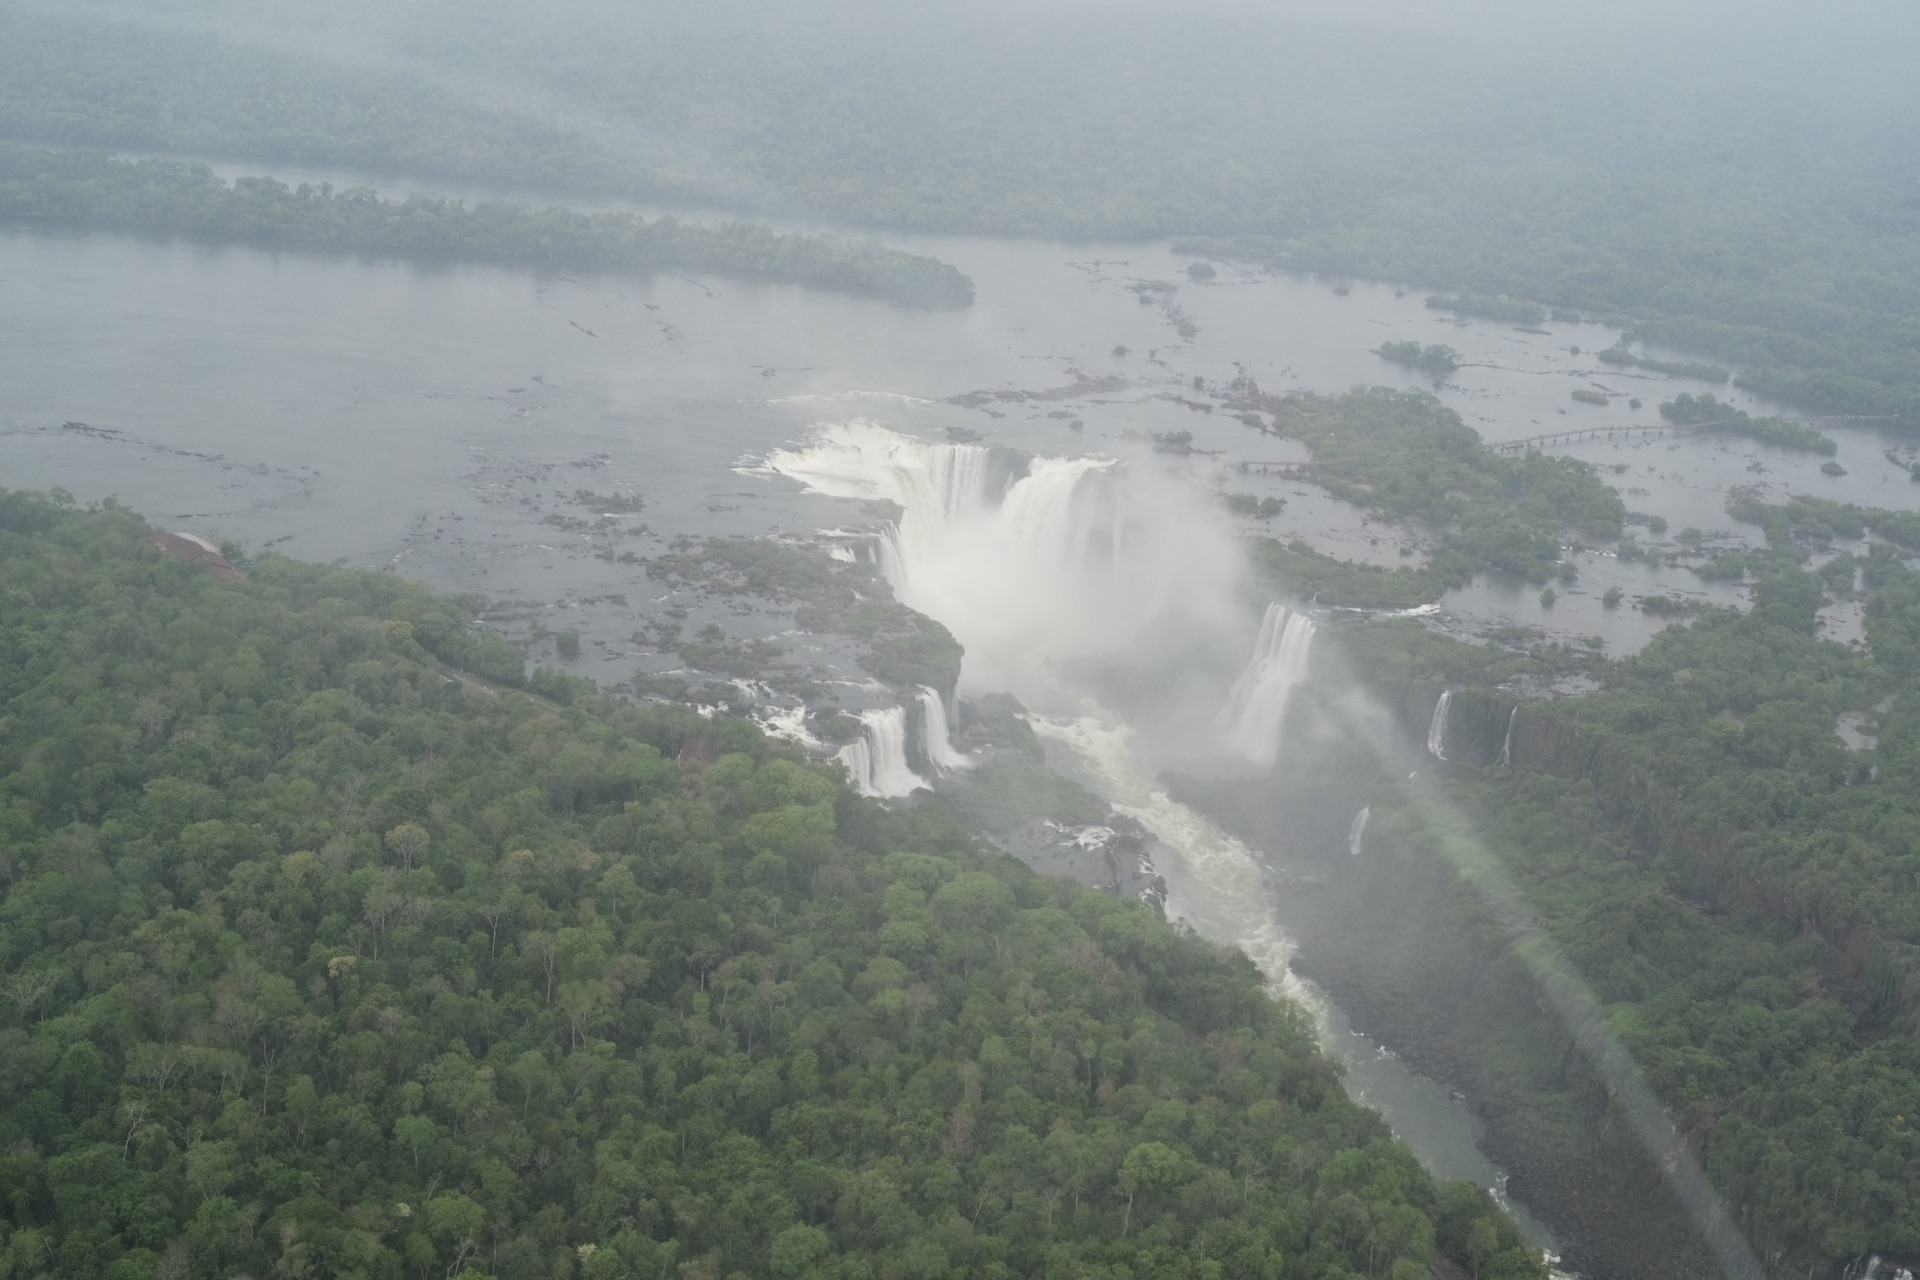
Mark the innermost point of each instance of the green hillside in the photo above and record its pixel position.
(330, 952)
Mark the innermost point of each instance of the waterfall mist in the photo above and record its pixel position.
(1064, 577)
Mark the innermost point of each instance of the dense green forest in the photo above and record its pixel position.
(330, 952)
(1704, 412)
(1739, 186)
(89, 189)
(1739, 886)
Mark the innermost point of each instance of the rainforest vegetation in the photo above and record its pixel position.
(328, 953)
(1706, 413)
(82, 188)
(1739, 887)
(1404, 456)
(1623, 356)
(1436, 358)
(334, 941)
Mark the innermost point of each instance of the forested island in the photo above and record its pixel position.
(329, 951)
(85, 188)
(1404, 456)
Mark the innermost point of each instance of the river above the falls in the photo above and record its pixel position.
(532, 436)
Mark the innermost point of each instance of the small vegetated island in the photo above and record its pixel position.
(1436, 359)
(88, 188)
(331, 949)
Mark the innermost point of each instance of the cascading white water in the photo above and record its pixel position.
(935, 485)
(1358, 831)
(1256, 711)
(1437, 727)
(878, 762)
(1506, 747)
(940, 748)
(1076, 559)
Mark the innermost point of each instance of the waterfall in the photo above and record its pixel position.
(1506, 746)
(1437, 730)
(878, 762)
(1073, 559)
(940, 748)
(1043, 519)
(1358, 831)
(935, 485)
(1256, 710)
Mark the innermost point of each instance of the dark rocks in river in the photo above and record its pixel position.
(1112, 857)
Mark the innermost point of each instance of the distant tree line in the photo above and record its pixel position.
(1755, 219)
(92, 189)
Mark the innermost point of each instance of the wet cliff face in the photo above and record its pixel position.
(1417, 962)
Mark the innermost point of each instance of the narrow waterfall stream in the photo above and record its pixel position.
(940, 748)
(1437, 729)
(878, 762)
(1074, 562)
(1255, 717)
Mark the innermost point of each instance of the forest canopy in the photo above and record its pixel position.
(89, 189)
(325, 954)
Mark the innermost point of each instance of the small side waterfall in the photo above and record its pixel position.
(1437, 730)
(878, 762)
(940, 748)
(1506, 746)
(1358, 831)
(1256, 710)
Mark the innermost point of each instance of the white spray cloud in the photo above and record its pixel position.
(1066, 561)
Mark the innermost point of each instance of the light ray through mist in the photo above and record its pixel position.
(1574, 1003)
